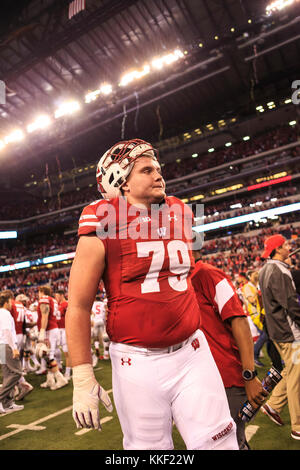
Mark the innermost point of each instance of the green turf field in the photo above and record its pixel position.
(46, 423)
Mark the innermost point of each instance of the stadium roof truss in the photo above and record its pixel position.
(234, 56)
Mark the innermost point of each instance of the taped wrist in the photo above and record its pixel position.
(42, 334)
(82, 373)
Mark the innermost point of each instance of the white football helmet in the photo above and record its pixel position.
(22, 298)
(41, 350)
(116, 164)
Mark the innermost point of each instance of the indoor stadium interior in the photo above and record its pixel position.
(214, 86)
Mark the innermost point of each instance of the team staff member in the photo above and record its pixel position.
(227, 331)
(283, 323)
(162, 367)
(11, 364)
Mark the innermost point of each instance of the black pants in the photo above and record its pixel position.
(236, 397)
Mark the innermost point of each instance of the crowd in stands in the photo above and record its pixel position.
(28, 281)
(48, 244)
(232, 254)
(272, 139)
(240, 253)
(267, 141)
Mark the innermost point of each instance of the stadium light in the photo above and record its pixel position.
(195, 155)
(14, 136)
(211, 150)
(228, 144)
(41, 122)
(278, 5)
(247, 137)
(292, 123)
(159, 62)
(135, 74)
(288, 100)
(67, 108)
(8, 234)
(106, 88)
(92, 96)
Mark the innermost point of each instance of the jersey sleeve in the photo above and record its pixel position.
(94, 216)
(221, 293)
(88, 221)
(44, 300)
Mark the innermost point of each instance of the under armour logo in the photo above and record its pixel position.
(195, 343)
(125, 362)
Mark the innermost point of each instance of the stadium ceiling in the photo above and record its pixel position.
(235, 56)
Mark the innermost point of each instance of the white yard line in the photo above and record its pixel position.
(37, 422)
(250, 431)
(85, 430)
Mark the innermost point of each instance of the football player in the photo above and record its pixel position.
(139, 241)
(63, 305)
(98, 319)
(49, 334)
(19, 314)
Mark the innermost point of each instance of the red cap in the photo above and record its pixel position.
(271, 243)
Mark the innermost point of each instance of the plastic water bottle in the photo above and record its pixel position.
(272, 378)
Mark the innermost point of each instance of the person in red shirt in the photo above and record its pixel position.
(48, 312)
(63, 305)
(227, 331)
(138, 240)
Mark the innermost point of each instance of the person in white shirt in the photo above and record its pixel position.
(9, 355)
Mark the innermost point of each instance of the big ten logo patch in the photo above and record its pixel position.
(195, 344)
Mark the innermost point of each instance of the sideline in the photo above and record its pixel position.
(34, 425)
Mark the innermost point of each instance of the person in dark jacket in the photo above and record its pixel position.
(282, 310)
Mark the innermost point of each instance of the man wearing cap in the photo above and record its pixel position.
(283, 324)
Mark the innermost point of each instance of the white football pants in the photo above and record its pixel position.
(151, 389)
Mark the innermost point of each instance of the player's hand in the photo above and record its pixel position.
(86, 396)
(255, 392)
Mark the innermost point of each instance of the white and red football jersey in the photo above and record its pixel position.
(219, 301)
(18, 312)
(99, 312)
(151, 301)
(54, 313)
(31, 316)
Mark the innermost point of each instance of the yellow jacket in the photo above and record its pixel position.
(255, 310)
